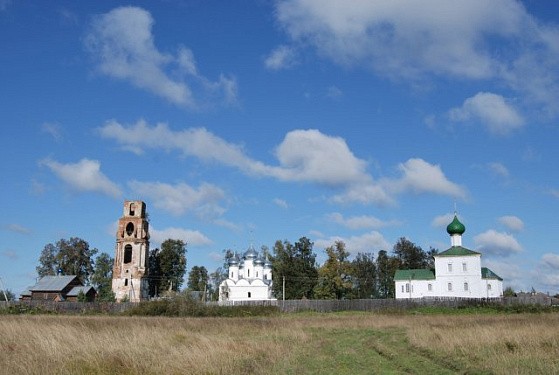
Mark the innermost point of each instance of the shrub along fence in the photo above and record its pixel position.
(287, 306)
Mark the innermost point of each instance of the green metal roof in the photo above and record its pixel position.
(457, 251)
(456, 227)
(417, 274)
(486, 273)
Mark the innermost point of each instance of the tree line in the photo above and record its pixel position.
(294, 268)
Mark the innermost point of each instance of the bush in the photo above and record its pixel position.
(183, 305)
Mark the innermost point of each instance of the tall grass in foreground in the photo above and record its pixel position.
(346, 343)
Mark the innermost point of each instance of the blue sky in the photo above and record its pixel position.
(252, 121)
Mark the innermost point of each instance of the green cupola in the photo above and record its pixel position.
(456, 227)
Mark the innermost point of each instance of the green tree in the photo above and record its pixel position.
(509, 292)
(69, 257)
(386, 267)
(198, 279)
(154, 273)
(171, 265)
(334, 277)
(409, 255)
(7, 294)
(364, 275)
(102, 278)
(297, 264)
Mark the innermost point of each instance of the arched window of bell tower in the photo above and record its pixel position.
(132, 209)
(129, 229)
(127, 254)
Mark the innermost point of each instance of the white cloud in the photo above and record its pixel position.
(303, 156)
(420, 176)
(282, 57)
(309, 155)
(473, 40)
(197, 142)
(366, 243)
(492, 110)
(84, 175)
(365, 193)
(492, 242)
(191, 237)
(181, 198)
(123, 45)
(359, 222)
(554, 192)
(280, 203)
(498, 169)
(512, 223)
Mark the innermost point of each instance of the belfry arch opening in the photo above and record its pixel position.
(127, 254)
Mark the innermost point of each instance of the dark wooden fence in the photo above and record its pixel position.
(373, 305)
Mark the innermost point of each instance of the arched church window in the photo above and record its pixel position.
(125, 282)
(127, 254)
(129, 229)
(248, 294)
(132, 209)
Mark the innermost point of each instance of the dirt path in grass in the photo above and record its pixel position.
(365, 351)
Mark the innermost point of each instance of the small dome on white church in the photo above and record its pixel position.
(250, 253)
(455, 227)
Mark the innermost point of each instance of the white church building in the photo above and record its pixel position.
(458, 273)
(249, 279)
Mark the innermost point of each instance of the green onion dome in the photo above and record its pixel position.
(456, 227)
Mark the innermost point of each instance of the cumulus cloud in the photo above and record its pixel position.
(418, 39)
(364, 193)
(303, 156)
(492, 242)
(312, 155)
(359, 222)
(84, 176)
(123, 46)
(190, 237)
(491, 110)
(420, 176)
(512, 223)
(182, 198)
(365, 243)
(197, 142)
(282, 57)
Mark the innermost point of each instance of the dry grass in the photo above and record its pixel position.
(501, 344)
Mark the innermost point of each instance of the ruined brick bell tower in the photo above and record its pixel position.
(130, 269)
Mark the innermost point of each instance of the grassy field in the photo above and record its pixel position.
(344, 343)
